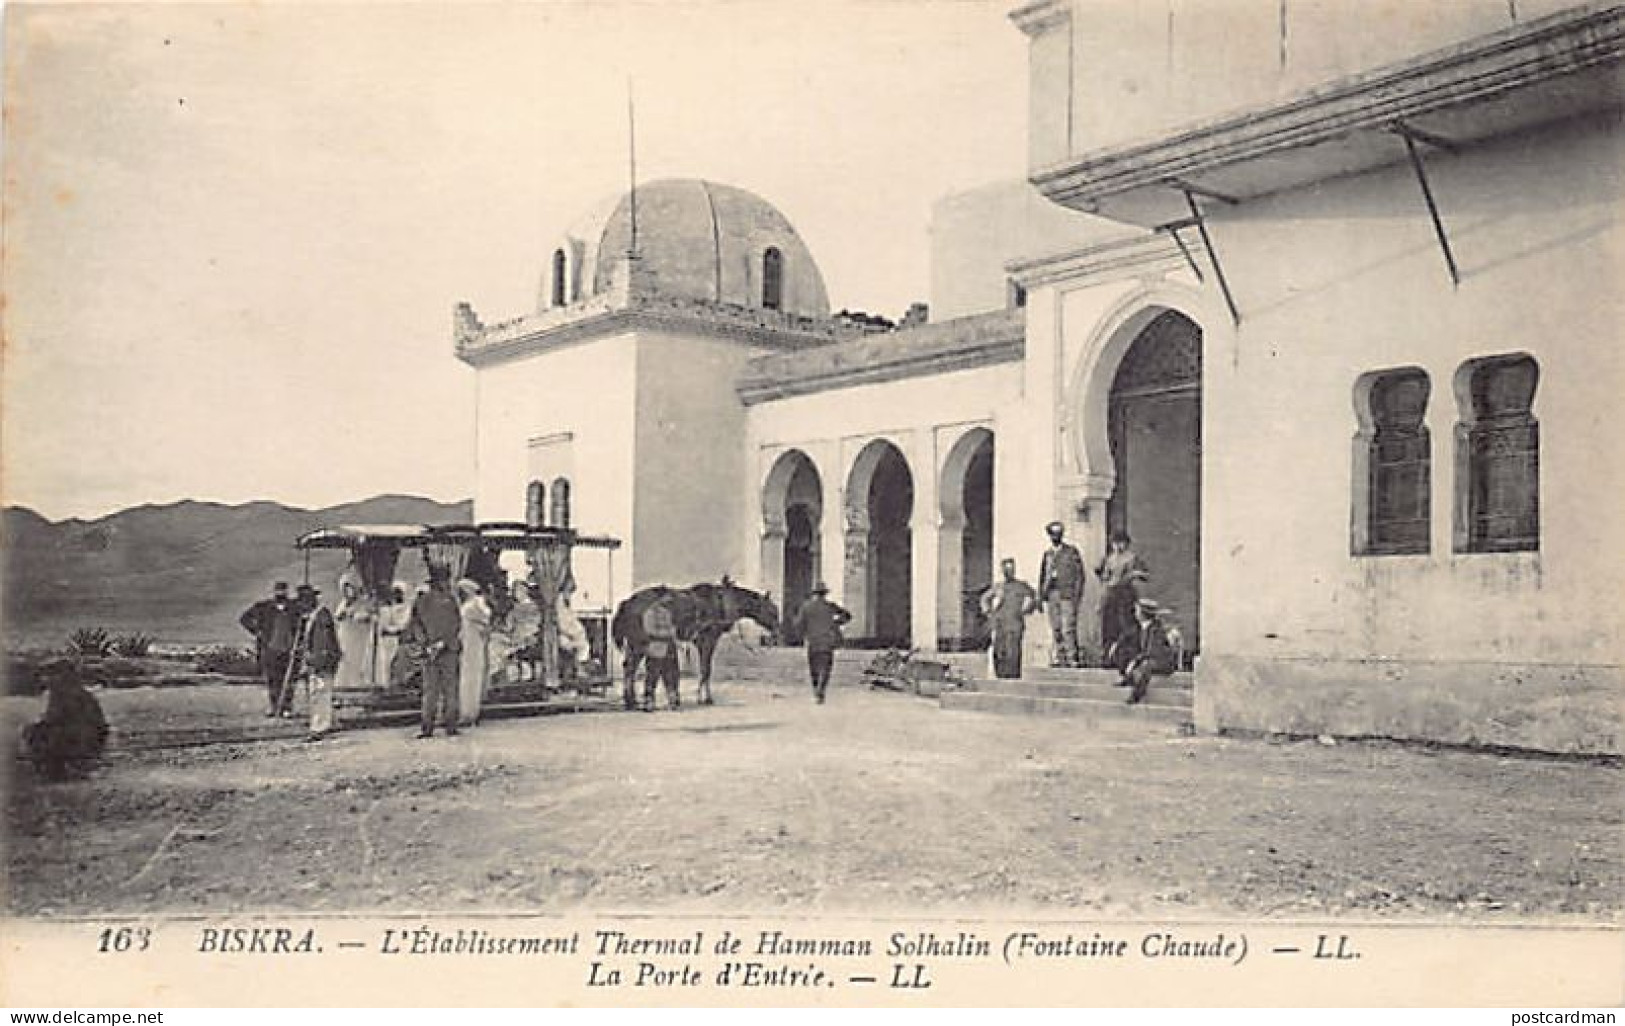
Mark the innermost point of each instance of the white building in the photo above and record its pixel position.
(1318, 301)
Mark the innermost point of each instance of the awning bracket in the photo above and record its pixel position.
(1184, 250)
(1212, 255)
(1412, 137)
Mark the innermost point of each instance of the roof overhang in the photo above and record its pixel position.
(964, 343)
(1559, 68)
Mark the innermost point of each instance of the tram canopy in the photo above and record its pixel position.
(488, 535)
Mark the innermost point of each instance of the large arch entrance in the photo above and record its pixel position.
(792, 510)
(880, 549)
(1154, 428)
(965, 540)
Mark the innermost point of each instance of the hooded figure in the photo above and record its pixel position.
(354, 618)
(70, 737)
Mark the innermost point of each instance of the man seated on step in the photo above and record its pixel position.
(1145, 653)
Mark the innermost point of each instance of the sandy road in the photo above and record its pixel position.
(875, 801)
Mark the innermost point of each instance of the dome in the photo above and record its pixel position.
(696, 240)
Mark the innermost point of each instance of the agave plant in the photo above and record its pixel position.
(133, 646)
(90, 641)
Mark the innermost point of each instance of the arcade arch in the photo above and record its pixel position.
(1137, 436)
(964, 539)
(792, 511)
(879, 544)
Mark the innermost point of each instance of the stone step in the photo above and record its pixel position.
(1088, 709)
(1101, 691)
(1099, 675)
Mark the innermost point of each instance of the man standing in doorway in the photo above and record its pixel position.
(1060, 586)
(1006, 605)
(821, 621)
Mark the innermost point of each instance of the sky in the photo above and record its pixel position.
(234, 233)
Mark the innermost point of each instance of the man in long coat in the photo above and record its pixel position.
(1006, 605)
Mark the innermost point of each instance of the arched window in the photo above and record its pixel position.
(1498, 456)
(772, 279)
(559, 515)
(1393, 464)
(560, 297)
(535, 504)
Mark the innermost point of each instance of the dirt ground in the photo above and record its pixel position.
(874, 802)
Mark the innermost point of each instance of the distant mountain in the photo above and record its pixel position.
(181, 572)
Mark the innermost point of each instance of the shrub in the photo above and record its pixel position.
(232, 662)
(90, 641)
(133, 646)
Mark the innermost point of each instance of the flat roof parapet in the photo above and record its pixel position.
(959, 344)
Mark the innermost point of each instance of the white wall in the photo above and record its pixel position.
(1122, 71)
(1347, 278)
(974, 234)
(689, 471)
(589, 391)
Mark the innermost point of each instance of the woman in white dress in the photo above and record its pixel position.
(475, 668)
(354, 620)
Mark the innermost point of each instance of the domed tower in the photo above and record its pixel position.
(695, 240)
(618, 390)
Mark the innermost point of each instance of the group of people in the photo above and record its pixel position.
(447, 633)
(1131, 631)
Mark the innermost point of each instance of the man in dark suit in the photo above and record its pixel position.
(1060, 588)
(435, 631)
(820, 621)
(274, 622)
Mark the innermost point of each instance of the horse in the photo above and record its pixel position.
(702, 613)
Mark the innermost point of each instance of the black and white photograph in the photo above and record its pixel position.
(879, 502)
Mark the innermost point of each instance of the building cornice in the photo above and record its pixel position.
(962, 344)
(606, 315)
(1482, 69)
(1150, 253)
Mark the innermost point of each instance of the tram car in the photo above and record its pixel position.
(549, 616)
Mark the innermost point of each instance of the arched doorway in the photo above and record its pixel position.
(800, 564)
(880, 552)
(792, 510)
(1154, 427)
(965, 540)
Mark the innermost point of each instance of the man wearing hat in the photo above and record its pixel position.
(820, 622)
(1151, 655)
(274, 622)
(435, 630)
(1060, 587)
(321, 655)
